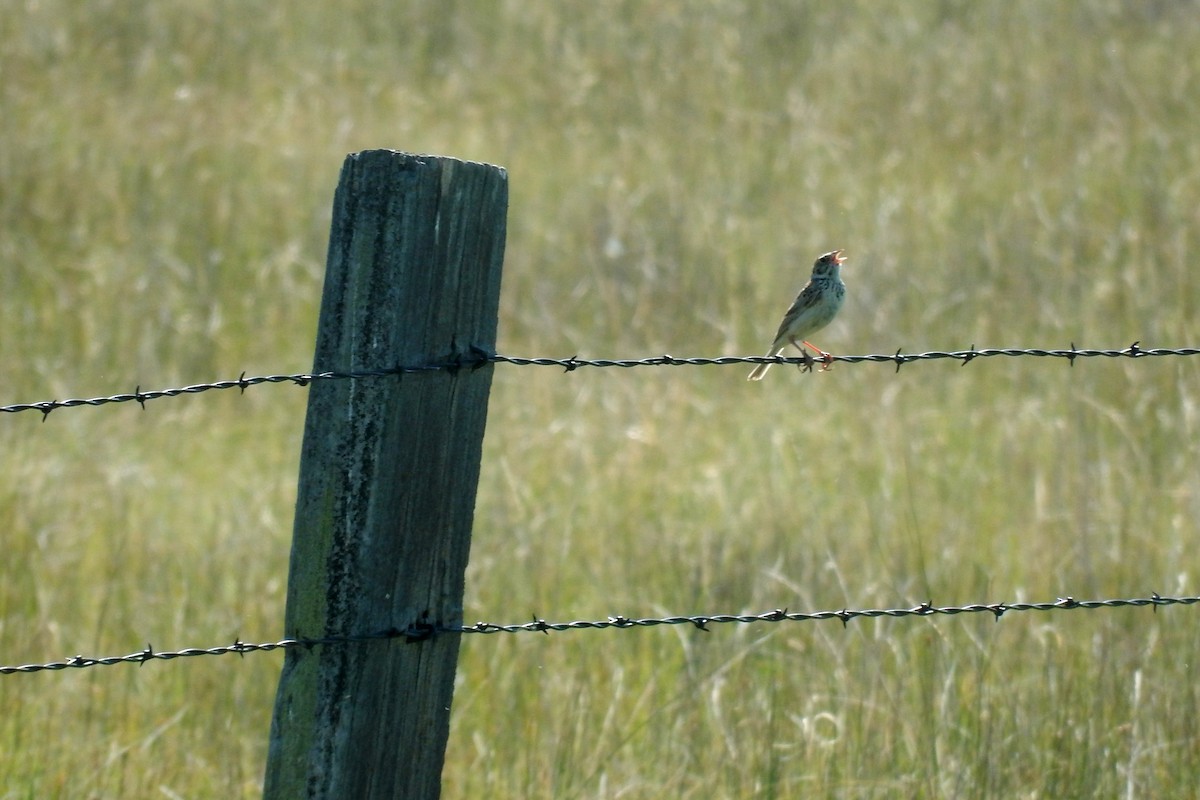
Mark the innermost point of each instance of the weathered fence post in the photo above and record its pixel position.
(388, 475)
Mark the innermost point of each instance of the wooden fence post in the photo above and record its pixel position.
(388, 475)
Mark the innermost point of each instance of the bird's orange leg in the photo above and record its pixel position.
(808, 360)
(825, 357)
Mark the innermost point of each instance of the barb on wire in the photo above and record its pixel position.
(478, 358)
(424, 631)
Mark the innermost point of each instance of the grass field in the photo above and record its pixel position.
(1017, 174)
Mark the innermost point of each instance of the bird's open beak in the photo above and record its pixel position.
(837, 257)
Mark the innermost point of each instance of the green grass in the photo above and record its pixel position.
(1003, 174)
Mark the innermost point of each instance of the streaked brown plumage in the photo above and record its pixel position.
(814, 308)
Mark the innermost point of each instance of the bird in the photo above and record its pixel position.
(814, 308)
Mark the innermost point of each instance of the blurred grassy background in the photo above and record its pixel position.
(1003, 174)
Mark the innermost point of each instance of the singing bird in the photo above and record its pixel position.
(814, 308)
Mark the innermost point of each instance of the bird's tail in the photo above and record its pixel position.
(760, 370)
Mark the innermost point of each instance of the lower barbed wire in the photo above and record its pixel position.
(425, 631)
(477, 358)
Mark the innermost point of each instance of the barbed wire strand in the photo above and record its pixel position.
(424, 631)
(478, 358)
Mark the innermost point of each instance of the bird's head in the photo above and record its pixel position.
(829, 263)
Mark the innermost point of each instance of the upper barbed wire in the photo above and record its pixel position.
(424, 631)
(477, 358)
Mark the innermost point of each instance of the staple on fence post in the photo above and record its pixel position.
(388, 475)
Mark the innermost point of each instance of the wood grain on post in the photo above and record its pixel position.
(388, 476)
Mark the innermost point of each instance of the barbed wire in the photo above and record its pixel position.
(899, 358)
(424, 631)
(478, 358)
